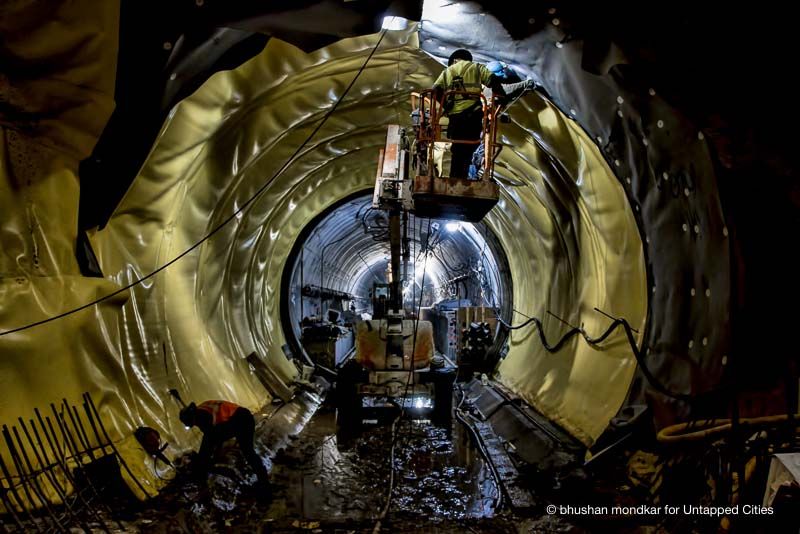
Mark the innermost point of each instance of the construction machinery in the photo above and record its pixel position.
(394, 353)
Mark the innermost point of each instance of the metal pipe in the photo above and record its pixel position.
(24, 479)
(406, 247)
(614, 318)
(302, 268)
(715, 427)
(85, 443)
(84, 438)
(85, 434)
(7, 504)
(34, 479)
(64, 469)
(78, 461)
(77, 454)
(55, 446)
(395, 245)
(69, 441)
(92, 423)
(605, 450)
(563, 321)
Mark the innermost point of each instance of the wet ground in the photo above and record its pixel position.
(437, 474)
(322, 483)
(398, 475)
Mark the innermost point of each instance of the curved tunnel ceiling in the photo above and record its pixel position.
(609, 199)
(563, 218)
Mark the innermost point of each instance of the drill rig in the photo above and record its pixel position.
(394, 354)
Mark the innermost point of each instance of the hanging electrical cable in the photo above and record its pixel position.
(227, 220)
(482, 449)
(617, 322)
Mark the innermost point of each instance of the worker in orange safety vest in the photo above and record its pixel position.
(220, 421)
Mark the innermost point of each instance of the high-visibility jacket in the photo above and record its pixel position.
(463, 76)
(220, 411)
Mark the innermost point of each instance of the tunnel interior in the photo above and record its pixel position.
(345, 251)
(215, 234)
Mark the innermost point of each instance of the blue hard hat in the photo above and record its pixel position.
(495, 67)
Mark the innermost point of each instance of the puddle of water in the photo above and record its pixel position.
(439, 478)
(442, 474)
(438, 473)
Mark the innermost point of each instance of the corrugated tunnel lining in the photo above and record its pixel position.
(563, 219)
(345, 249)
(562, 215)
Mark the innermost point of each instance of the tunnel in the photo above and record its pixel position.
(190, 212)
(338, 259)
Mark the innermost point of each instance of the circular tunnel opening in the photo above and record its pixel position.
(613, 205)
(457, 277)
(563, 218)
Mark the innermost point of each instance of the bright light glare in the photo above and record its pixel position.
(439, 11)
(453, 226)
(420, 268)
(394, 23)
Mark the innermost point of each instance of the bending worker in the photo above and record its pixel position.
(220, 421)
(465, 113)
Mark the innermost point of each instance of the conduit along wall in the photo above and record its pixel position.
(563, 221)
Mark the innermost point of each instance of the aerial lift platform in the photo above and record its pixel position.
(394, 355)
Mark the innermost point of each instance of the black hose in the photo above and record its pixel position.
(482, 449)
(648, 374)
(385, 509)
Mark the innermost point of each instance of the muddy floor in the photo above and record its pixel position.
(398, 473)
(436, 474)
(322, 482)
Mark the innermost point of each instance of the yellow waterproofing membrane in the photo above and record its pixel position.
(56, 91)
(572, 245)
(563, 221)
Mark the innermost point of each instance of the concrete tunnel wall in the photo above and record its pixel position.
(563, 220)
